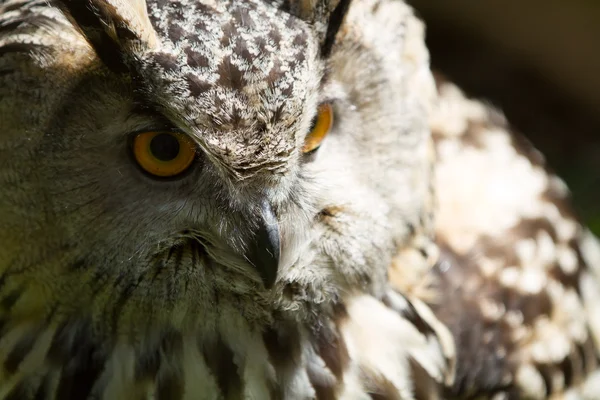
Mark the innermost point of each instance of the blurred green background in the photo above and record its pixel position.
(539, 61)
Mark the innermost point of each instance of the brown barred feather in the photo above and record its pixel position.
(509, 276)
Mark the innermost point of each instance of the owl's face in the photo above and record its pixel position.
(183, 164)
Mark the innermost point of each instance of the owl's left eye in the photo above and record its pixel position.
(320, 128)
(163, 154)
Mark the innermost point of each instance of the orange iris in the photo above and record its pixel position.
(164, 154)
(320, 129)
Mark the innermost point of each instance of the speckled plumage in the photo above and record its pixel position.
(424, 252)
(518, 272)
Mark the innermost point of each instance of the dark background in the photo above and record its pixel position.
(539, 61)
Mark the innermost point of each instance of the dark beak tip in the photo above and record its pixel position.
(265, 250)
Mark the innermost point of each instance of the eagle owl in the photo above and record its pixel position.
(273, 199)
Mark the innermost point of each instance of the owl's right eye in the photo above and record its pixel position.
(163, 154)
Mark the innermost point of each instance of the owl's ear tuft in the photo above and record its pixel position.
(325, 15)
(113, 27)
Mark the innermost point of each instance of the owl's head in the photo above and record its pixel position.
(167, 159)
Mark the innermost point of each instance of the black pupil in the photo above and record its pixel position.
(313, 123)
(164, 146)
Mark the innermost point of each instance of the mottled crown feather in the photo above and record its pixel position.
(114, 25)
(325, 15)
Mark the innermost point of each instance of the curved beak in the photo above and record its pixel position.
(263, 252)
